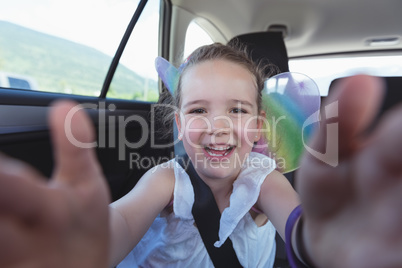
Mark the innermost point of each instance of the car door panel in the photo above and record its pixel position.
(124, 130)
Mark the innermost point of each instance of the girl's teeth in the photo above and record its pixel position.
(218, 151)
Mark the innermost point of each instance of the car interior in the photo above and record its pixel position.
(326, 40)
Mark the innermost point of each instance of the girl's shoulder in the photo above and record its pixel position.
(164, 174)
(165, 166)
(274, 188)
(164, 170)
(159, 178)
(274, 180)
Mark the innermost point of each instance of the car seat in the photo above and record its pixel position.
(268, 47)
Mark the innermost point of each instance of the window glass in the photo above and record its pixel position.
(136, 77)
(324, 70)
(62, 46)
(195, 37)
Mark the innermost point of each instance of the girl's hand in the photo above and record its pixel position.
(353, 211)
(62, 222)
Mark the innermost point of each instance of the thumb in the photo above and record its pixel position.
(81, 212)
(73, 138)
(354, 102)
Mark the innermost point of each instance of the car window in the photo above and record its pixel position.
(53, 46)
(136, 77)
(323, 70)
(195, 37)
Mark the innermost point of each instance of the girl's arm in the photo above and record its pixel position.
(277, 199)
(132, 215)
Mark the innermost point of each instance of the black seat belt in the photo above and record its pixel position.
(207, 218)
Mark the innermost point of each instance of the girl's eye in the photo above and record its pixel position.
(197, 111)
(238, 111)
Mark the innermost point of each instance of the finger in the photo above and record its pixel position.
(390, 143)
(78, 173)
(352, 105)
(11, 244)
(381, 161)
(325, 182)
(21, 189)
(74, 141)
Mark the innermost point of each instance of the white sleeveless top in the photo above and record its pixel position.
(174, 241)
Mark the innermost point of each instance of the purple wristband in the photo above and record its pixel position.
(293, 217)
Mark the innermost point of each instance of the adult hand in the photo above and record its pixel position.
(353, 211)
(61, 222)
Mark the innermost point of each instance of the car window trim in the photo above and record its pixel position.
(120, 49)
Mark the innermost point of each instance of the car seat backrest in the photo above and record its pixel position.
(266, 46)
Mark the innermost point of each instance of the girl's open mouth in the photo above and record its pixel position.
(218, 151)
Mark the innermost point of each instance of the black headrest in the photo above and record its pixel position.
(266, 46)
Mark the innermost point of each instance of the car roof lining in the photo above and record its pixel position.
(314, 26)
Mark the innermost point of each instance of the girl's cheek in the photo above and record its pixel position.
(250, 134)
(248, 137)
(194, 127)
(196, 124)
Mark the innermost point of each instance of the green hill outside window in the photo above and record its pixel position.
(53, 46)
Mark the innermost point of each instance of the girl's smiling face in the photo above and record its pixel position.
(219, 120)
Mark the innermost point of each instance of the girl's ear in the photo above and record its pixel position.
(260, 124)
(177, 118)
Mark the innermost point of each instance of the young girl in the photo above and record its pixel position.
(351, 218)
(219, 119)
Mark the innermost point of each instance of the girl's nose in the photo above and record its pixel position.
(220, 125)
